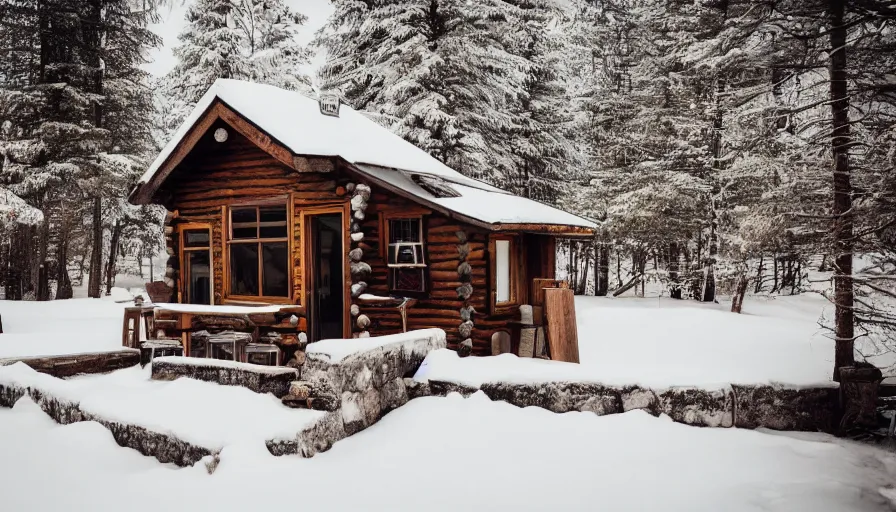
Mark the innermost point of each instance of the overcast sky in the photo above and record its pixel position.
(172, 24)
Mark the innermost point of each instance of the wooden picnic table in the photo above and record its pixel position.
(180, 320)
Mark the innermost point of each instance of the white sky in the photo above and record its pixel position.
(172, 23)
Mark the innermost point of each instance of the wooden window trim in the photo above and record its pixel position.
(385, 218)
(227, 241)
(182, 249)
(515, 267)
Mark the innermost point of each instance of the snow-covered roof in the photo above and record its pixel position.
(296, 122)
(489, 206)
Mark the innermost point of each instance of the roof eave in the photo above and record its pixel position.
(551, 229)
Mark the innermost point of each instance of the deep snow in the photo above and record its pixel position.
(661, 342)
(200, 413)
(455, 454)
(654, 342)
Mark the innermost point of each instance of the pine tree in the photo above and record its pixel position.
(70, 127)
(240, 39)
(440, 75)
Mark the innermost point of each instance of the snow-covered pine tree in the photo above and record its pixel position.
(275, 55)
(439, 74)
(70, 126)
(546, 158)
(211, 47)
(242, 39)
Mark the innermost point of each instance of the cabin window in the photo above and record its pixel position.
(405, 255)
(505, 271)
(259, 251)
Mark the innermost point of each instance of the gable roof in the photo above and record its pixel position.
(295, 123)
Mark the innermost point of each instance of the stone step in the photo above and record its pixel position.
(311, 395)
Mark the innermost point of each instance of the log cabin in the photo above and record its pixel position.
(276, 198)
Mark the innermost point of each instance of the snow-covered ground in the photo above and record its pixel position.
(454, 454)
(200, 413)
(661, 342)
(60, 327)
(655, 341)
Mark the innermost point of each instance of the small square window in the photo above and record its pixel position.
(405, 255)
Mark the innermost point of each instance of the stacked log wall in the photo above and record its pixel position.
(237, 171)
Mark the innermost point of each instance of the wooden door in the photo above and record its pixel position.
(326, 273)
(197, 277)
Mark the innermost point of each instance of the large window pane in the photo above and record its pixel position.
(200, 277)
(273, 221)
(244, 269)
(275, 273)
(502, 270)
(244, 223)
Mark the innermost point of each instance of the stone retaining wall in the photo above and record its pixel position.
(74, 364)
(358, 389)
(771, 406)
(258, 378)
(164, 447)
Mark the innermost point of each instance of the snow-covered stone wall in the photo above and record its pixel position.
(258, 378)
(773, 406)
(364, 378)
(63, 410)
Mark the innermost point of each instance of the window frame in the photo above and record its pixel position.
(514, 270)
(227, 235)
(183, 289)
(386, 227)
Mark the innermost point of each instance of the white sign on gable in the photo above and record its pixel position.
(329, 104)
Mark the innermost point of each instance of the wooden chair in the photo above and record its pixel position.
(138, 319)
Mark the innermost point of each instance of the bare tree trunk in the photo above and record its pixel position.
(96, 254)
(740, 290)
(758, 287)
(633, 282)
(583, 280)
(63, 281)
(618, 269)
(602, 270)
(113, 256)
(775, 274)
(674, 284)
(844, 334)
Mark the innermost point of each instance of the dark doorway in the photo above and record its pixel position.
(197, 265)
(327, 283)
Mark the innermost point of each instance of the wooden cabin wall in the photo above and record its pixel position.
(441, 306)
(217, 175)
(235, 172)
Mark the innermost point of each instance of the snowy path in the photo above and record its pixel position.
(454, 454)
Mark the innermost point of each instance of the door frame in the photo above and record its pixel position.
(308, 276)
(184, 268)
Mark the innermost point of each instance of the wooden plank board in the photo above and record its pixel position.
(560, 317)
(538, 286)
